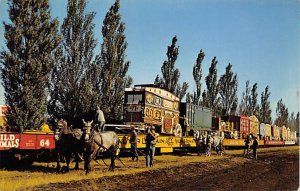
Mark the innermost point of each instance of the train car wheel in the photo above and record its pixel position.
(2, 158)
(27, 160)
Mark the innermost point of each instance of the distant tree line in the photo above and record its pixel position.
(53, 71)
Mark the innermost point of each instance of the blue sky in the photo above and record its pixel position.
(260, 38)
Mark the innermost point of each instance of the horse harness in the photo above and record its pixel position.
(91, 140)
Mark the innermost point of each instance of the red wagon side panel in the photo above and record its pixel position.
(26, 141)
(9, 141)
(45, 141)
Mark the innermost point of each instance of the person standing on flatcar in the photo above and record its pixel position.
(186, 125)
(151, 139)
(99, 119)
(133, 144)
(254, 147)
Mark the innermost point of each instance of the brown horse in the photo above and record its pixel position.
(68, 144)
(96, 142)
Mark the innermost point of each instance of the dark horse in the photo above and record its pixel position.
(96, 142)
(68, 144)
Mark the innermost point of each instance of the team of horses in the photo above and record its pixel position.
(88, 143)
(205, 143)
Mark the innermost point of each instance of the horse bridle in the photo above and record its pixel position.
(59, 133)
(90, 134)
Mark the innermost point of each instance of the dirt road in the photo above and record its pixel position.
(275, 169)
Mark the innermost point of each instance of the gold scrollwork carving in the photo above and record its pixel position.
(149, 99)
(157, 114)
(175, 106)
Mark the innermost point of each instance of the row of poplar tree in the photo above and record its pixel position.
(221, 93)
(51, 70)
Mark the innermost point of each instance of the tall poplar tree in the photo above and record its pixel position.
(197, 74)
(244, 106)
(228, 84)
(72, 92)
(293, 122)
(204, 101)
(265, 107)
(114, 67)
(27, 62)
(254, 107)
(282, 114)
(170, 75)
(212, 86)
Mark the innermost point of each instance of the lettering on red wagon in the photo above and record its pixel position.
(9, 141)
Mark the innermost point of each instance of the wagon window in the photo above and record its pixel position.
(129, 98)
(134, 98)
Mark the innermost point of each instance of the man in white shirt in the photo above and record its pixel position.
(99, 119)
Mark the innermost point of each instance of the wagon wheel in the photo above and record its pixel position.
(178, 130)
(27, 160)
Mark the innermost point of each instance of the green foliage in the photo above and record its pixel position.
(72, 92)
(170, 75)
(282, 114)
(27, 62)
(245, 101)
(249, 104)
(228, 84)
(254, 107)
(265, 107)
(113, 77)
(197, 74)
(293, 122)
(205, 99)
(211, 95)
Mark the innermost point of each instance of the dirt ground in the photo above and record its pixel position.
(275, 169)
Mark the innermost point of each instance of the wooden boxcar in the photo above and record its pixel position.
(268, 132)
(283, 133)
(236, 124)
(195, 117)
(275, 132)
(254, 125)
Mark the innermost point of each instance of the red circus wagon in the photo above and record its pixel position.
(22, 148)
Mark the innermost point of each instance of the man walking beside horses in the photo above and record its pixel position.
(133, 144)
(247, 146)
(151, 139)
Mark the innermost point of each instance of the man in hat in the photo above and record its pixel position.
(254, 147)
(133, 144)
(247, 146)
(99, 119)
(151, 139)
